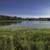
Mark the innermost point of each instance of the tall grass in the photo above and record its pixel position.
(21, 38)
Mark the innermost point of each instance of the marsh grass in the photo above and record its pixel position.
(23, 38)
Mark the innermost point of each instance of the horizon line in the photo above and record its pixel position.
(27, 16)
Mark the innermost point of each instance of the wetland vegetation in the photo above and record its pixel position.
(23, 38)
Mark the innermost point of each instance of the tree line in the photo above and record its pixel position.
(2, 17)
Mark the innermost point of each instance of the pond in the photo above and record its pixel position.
(33, 24)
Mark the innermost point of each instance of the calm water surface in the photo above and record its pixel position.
(33, 24)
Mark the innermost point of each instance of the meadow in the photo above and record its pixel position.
(24, 38)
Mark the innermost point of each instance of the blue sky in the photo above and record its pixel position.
(25, 8)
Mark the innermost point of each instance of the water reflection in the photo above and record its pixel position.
(33, 24)
(9, 23)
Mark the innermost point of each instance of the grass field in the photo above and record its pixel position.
(22, 38)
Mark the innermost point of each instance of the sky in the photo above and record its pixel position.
(25, 8)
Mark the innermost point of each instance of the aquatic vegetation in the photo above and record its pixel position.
(22, 38)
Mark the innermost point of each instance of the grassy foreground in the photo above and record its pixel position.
(21, 38)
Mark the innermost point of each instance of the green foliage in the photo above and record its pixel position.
(21, 38)
(19, 19)
(9, 19)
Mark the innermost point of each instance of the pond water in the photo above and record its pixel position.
(33, 24)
